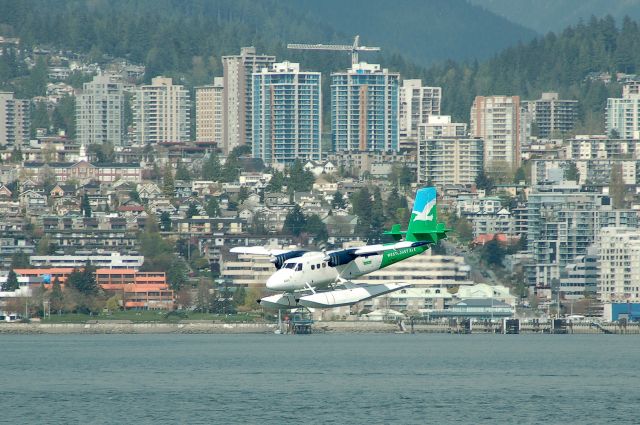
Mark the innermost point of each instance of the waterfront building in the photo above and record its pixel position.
(417, 104)
(237, 101)
(580, 277)
(100, 112)
(496, 120)
(161, 112)
(562, 222)
(552, 116)
(622, 116)
(287, 114)
(449, 160)
(113, 260)
(210, 112)
(364, 109)
(15, 120)
(618, 251)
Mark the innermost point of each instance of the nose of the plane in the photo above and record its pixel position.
(279, 280)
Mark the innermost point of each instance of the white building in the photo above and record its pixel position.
(623, 116)
(417, 104)
(210, 112)
(238, 95)
(100, 112)
(619, 263)
(113, 260)
(15, 120)
(450, 160)
(438, 126)
(496, 120)
(161, 112)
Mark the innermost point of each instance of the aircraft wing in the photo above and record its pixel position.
(260, 250)
(348, 296)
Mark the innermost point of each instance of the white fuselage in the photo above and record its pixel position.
(312, 271)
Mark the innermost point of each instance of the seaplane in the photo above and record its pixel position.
(319, 279)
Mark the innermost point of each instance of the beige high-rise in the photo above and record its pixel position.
(161, 112)
(496, 120)
(237, 98)
(210, 112)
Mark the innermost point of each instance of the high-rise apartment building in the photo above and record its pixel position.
(210, 112)
(100, 111)
(552, 116)
(161, 112)
(417, 104)
(287, 114)
(623, 116)
(238, 95)
(437, 126)
(496, 120)
(365, 109)
(15, 120)
(619, 264)
(449, 160)
(562, 223)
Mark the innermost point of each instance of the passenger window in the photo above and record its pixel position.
(317, 266)
(313, 267)
(299, 267)
(324, 265)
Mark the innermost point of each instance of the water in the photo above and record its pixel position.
(331, 378)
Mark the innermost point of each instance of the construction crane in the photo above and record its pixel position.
(354, 49)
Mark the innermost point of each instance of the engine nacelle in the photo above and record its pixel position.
(278, 260)
(341, 257)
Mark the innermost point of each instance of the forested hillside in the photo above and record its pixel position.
(426, 31)
(555, 15)
(186, 39)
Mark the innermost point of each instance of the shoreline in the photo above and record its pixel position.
(207, 327)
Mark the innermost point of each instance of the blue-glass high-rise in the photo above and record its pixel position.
(364, 109)
(287, 114)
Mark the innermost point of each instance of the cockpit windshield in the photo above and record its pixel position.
(289, 265)
(299, 267)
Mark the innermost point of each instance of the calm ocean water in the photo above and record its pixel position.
(331, 378)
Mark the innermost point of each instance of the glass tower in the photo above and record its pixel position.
(364, 109)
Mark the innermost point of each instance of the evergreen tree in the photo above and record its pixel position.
(168, 184)
(20, 260)
(243, 194)
(182, 173)
(56, 298)
(192, 211)
(213, 207)
(316, 227)
(85, 206)
(338, 201)
(12, 282)
(276, 183)
(165, 221)
(294, 222)
(84, 281)
(211, 169)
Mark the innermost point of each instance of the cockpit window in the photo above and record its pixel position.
(299, 267)
(290, 265)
